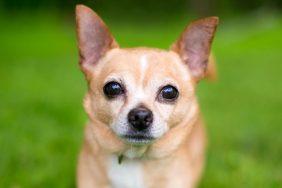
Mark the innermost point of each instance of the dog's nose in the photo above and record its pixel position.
(140, 118)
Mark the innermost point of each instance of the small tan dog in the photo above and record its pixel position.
(144, 126)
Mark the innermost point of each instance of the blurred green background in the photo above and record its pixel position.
(41, 87)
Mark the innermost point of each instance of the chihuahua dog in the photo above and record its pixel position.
(144, 127)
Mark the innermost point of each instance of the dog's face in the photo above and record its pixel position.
(141, 93)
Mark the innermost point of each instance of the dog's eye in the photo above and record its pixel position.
(113, 89)
(168, 93)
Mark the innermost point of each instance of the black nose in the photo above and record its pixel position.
(140, 118)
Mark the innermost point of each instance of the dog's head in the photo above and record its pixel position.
(141, 94)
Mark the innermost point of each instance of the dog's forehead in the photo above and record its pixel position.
(132, 56)
(144, 60)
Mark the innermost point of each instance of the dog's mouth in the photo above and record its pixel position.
(138, 139)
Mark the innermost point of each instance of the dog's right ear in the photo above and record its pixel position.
(94, 38)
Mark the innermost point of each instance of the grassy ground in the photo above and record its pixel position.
(41, 89)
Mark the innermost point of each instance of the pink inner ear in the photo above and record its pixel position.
(94, 39)
(195, 43)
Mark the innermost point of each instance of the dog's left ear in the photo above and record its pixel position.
(194, 45)
(94, 38)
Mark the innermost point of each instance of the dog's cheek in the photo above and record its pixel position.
(173, 113)
(109, 111)
(116, 107)
(164, 111)
(98, 108)
(179, 113)
(180, 110)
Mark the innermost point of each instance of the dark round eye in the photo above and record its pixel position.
(113, 89)
(169, 93)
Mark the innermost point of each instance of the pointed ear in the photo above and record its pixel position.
(94, 38)
(194, 45)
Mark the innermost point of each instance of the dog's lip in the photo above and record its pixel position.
(137, 138)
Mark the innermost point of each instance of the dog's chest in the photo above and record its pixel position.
(128, 174)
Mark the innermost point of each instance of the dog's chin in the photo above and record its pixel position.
(138, 139)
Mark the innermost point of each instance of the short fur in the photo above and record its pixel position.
(175, 157)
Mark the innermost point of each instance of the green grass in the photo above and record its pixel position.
(41, 89)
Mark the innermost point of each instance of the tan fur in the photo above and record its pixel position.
(176, 157)
(211, 71)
